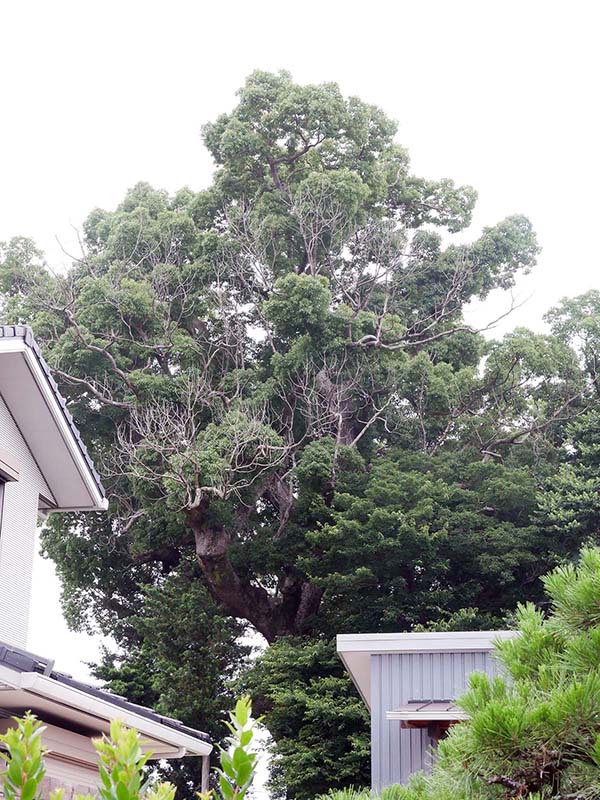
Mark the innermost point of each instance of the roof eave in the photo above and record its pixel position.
(94, 489)
(355, 649)
(34, 676)
(50, 689)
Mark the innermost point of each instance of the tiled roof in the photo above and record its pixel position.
(25, 333)
(23, 661)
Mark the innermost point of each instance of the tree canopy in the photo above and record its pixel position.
(298, 430)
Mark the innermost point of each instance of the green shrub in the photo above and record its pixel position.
(349, 793)
(238, 763)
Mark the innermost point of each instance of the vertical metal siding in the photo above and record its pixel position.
(17, 534)
(399, 678)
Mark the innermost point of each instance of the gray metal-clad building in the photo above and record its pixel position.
(409, 682)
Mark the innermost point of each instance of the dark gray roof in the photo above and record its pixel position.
(23, 661)
(24, 332)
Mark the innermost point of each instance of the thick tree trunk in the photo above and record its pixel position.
(283, 613)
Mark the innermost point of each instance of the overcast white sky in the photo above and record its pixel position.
(499, 94)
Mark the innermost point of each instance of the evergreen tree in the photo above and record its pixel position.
(276, 380)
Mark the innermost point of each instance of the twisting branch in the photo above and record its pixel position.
(99, 394)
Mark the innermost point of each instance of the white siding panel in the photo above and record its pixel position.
(17, 533)
(74, 779)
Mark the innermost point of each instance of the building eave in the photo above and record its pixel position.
(355, 649)
(30, 682)
(18, 341)
(96, 707)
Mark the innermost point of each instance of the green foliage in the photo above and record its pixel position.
(121, 765)
(577, 321)
(24, 760)
(404, 547)
(349, 793)
(298, 305)
(570, 503)
(182, 659)
(575, 593)
(416, 789)
(237, 761)
(304, 687)
(299, 432)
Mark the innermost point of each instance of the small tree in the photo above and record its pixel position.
(238, 763)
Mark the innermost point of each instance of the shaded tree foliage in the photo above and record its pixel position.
(425, 537)
(305, 692)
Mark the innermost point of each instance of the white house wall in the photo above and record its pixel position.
(17, 533)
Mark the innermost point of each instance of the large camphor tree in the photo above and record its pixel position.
(298, 431)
